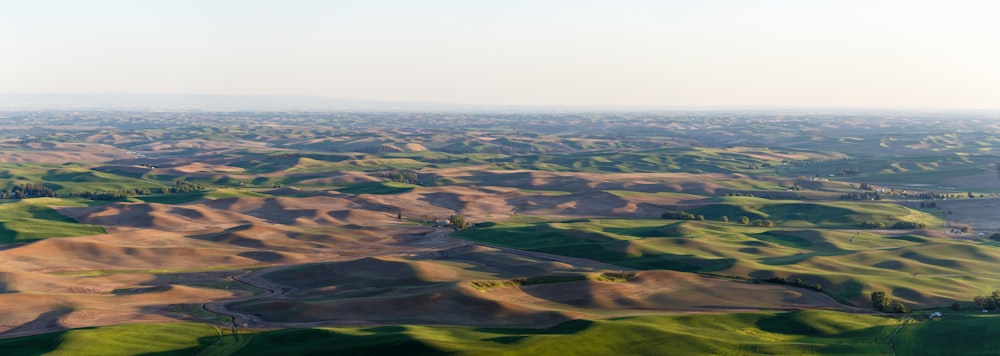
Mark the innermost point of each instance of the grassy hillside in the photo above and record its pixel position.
(957, 333)
(33, 219)
(178, 198)
(377, 188)
(125, 339)
(799, 333)
(813, 214)
(67, 179)
(848, 264)
(934, 170)
(692, 160)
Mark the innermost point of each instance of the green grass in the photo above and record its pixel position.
(957, 333)
(785, 333)
(848, 264)
(377, 188)
(186, 197)
(936, 169)
(617, 241)
(690, 160)
(126, 339)
(33, 219)
(67, 179)
(840, 214)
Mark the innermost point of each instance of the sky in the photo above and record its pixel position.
(897, 54)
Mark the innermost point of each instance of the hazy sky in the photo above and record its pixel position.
(662, 53)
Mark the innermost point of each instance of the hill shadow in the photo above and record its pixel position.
(382, 340)
(47, 321)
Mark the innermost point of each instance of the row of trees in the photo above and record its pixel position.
(38, 190)
(683, 215)
(180, 186)
(899, 225)
(798, 283)
(869, 193)
(117, 194)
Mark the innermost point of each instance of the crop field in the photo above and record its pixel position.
(378, 233)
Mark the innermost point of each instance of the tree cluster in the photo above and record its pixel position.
(26, 190)
(899, 225)
(181, 186)
(458, 222)
(679, 215)
(400, 176)
(881, 302)
(284, 155)
(115, 194)
(861, 196)
(798, 283)
(991, 302)
(871, 194)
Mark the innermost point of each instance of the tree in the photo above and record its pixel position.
(980, 302)
(725, 219)
(458, 221)
(900, 308)
(880, 301)
(995, 236)
(966, 229)
(956, 306)
(744, 220)
(993, 301)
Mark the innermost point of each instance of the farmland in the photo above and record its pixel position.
(693, 232)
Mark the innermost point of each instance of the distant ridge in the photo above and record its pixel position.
(198, 102)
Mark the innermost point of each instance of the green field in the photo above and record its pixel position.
(847, 263)
(792, 213)
(957, 333)
(377, 188)
(34, 219)
(179, 198)
(786, 333)
(125, 339)
(68, 179)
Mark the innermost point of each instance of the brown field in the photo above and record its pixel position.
(158, 257)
